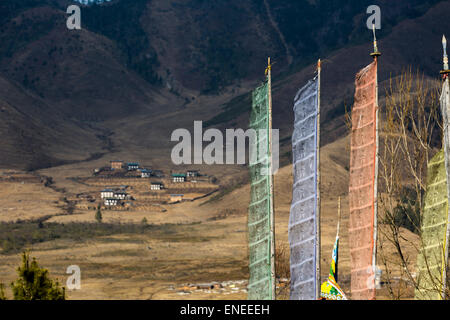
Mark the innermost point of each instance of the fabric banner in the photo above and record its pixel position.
(259, 212)
(302, 221)
(362, 184)
(434, 226)
(330, 290)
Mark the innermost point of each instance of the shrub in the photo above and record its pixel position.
(34, 283)
(98, 215)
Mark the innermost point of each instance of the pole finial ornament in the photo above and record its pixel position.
(446, 70)
(269, 66)
(375, 52)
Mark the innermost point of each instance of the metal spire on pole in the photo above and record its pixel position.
(375, 52)
(446, 70)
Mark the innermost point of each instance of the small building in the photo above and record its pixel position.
(156, 186)
(145, 173)
(176, 198)
(107, 193)
(192, 173)
(178, 177)
(120, 195)
(158, 173)
(117, 165)
(132, 166)
(109, 202)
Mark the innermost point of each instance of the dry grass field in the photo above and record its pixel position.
(186, 244)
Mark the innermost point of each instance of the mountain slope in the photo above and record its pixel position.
(412, 43)
(39, 135)
(182, 60)
(57, 85)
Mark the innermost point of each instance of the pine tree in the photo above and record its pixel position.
(98, 214)
(34, 283)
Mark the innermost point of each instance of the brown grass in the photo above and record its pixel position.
(282, 261)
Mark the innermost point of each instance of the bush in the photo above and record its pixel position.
(16, 236)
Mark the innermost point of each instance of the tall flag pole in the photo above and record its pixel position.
(375, 54)
(304, 219)
(445, 106)
(261, 227)
(337, 240)
(330, 289)
(363, 181)
(318, 242)
(272, 207)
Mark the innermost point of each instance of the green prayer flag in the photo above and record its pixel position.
(259, 211)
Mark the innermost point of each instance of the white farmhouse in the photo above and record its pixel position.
(178, 177)
(107, 193)
(155, 186)
(120, 195)
(145, 173)
(192, 173)
(132, 166)
(109, 202)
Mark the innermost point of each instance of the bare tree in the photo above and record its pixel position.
(411, 132)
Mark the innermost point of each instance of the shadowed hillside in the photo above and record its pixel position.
(184, 60)
(412, 43)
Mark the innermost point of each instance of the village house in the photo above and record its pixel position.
(192, 173)
(176, 198)
(120, 195)
(109, 202)
(145, 173)
(132, 166)
(107, 193)
(117, 164)
(156, 186)
(178, 177)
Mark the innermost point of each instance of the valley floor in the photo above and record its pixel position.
(180, 250)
